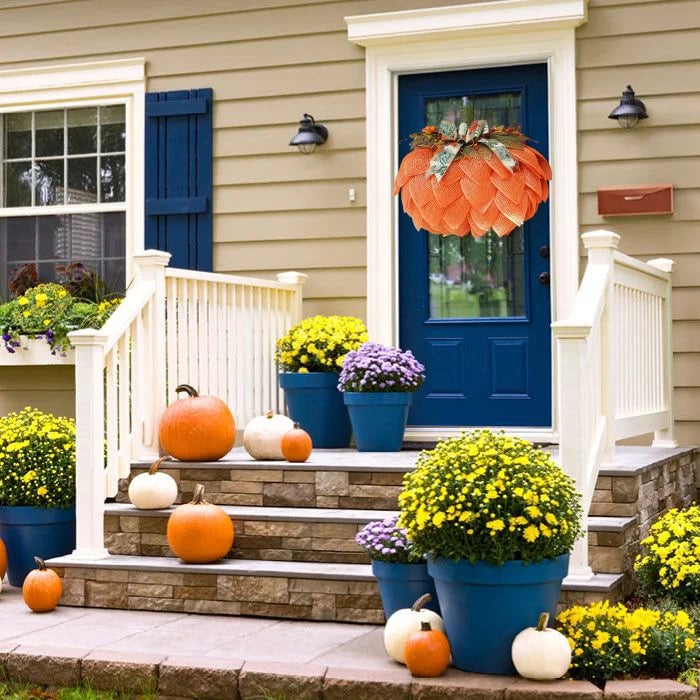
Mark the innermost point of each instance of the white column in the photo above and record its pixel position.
(150, 266)
(666, 438)
(90, 486)
(298, 279)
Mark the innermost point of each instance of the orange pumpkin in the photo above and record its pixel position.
(198, 428)
(42, 588)
(427, 652)
(296, 444)
(200, 532)
(3, 560)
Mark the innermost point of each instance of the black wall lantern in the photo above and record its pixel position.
(310, 135)
(629, 111)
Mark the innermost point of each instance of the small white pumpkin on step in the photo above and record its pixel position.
(262, 437)
(405, 621)
(541, 653)
(153, 489)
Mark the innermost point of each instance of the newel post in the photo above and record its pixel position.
(150, 266)
(90, 480)
(666, 437)
(298, 280)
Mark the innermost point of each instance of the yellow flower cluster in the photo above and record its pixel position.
(37, 459)
(670, 561)
(489, 497)
(320, 343)
(610, 641)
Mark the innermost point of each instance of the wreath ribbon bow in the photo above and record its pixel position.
(460, 137)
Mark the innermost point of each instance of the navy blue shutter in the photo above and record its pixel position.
(179, 176)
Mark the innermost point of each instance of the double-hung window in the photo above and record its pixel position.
(63, 192)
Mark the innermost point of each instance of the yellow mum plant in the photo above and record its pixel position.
(37, 460)
(610, 641)
(320, 344)
(670, 559)
(489, 497)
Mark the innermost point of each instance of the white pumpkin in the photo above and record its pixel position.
(406, 621)
(262, 437)
(541, 653)
(153, 489)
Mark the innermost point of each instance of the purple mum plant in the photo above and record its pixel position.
(383, 540)
(376, 367)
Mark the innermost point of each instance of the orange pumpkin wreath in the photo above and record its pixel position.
(471, 179)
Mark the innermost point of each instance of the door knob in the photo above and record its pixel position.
(544, 278)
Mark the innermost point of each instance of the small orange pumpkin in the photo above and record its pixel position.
(42, 588)
(3, 560)
(200, 532)
(296, 444)
(427, 652)
(198, 428)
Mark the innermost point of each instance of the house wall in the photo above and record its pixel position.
(269, 61)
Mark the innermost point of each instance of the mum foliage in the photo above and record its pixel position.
(610, 641)
(37, 460)
(670, 560)
(489, 497)
(384, 540)
(376, 367)
(319, 343)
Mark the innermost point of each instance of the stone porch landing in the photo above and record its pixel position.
(176, 655)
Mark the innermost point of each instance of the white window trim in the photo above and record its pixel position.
(479, 35)
(95, 83)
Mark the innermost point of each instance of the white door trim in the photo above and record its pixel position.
(479, 35)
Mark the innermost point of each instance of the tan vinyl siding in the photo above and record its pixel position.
(654, 47)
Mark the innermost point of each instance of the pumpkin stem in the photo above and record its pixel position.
(418, 605)
(40, 563)
(191, 391)
(297, 426)
(425, 626)
(542, 622)
(154, 467)
(198, 497)
(270, 414)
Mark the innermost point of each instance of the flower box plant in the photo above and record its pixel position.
(37, 488)
(491, 512)
(309, 357)
(402, 573)
(378, 382)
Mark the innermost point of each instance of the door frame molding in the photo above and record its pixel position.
(478, 35)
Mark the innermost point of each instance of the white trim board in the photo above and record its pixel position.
(101, 82)
(478, 35)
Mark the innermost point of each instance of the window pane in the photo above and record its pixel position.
(21, 239)
(113, 129)
(82, 180)
(113, 179)
(54, 242)
(114, 235)
(18, 184)
(115, 276)
(18, 135)
(47, 271)
(86, 236)
(48, 179)
(49, 133)
(82, 130)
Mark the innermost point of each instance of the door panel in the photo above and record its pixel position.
(474, 310)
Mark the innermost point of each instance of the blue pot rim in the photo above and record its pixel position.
(308, 380)
(511, 573)
(32, 515)
(390, 569)
(377, 398)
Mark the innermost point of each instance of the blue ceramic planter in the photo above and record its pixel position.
(313, 401)
(485, 606)
(400, 585)
(378, 419)
(29, 532)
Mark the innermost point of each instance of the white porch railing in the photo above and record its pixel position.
(614, 363)
(214, 332)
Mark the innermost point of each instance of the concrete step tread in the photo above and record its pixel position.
(268, 513)
(604, 523)
(599, 583)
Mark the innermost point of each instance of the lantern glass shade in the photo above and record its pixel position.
(629, 111)
(310, 135)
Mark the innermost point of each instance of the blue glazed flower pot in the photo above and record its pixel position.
(400, 585)
(28, 532)
(378, 418)
(313, 401)
(485, 606)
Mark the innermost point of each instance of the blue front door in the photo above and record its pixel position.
(476, 311)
